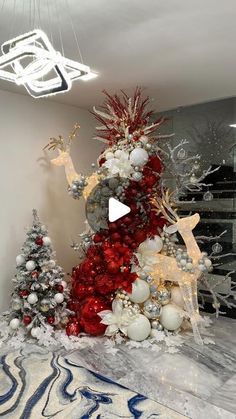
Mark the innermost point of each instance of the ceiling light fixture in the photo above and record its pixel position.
(29, 58)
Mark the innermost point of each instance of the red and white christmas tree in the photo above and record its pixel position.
(135, 279)
(40, 292)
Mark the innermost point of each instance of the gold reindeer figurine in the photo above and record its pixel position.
(167, 266)
(64, 159)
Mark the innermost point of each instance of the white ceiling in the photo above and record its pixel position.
(180, 51)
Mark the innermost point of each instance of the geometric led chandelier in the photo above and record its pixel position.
(30, 60)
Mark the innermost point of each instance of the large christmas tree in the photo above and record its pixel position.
(135, 278)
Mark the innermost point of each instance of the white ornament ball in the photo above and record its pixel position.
(140, 291)
(20, 259)
(139, 329)
(14, 323)
(47, 241)
(177, 296)
(30, 265)
(109, 155)
(154, 245)
(170, 317)
(32, 298)
(208, 263)
(35, 332)
(59, 297)
(64, 284)
(51, 263)
(118, 154)
(138, 157)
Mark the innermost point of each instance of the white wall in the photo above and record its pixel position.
(27, 182)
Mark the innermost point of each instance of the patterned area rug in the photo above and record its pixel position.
(36, 383)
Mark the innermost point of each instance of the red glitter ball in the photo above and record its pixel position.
(39, 241)
(27, 320)
(50, 319)
(23, 293)
(92, 306)
(73, 329)
(59, 288)
(94, 328)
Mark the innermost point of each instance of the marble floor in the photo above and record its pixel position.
(198, 382)
(36, 383)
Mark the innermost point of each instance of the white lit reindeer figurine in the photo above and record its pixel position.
(75, 180)
(167, 266)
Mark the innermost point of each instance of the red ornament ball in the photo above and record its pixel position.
(116, 237)
(104, 284)
(59, 288)
(140, 236)
(27, 320)
(89, 319)
(81, 291)
(73, 329)
(39, 241)
(113, 267)
(73, 305)
(94, 327)
(23, 293)
(155, 163)
(93, 305)
(97, 238)
(35, 274)
(50, 319)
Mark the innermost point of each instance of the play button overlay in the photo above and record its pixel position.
(116, 209)
(105, 203)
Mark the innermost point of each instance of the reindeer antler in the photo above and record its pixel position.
(73, 134)
(165, 206)
(60, 143)
(56, 143)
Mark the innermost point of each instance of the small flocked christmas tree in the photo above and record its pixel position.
(40, 294)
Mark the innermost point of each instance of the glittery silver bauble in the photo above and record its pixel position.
(151, 309)
(208, 196)
(156, 325)
(142, 275)
(153, 290)
(182, 154)
(137, 176)
(163, 295)
(217, 248)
